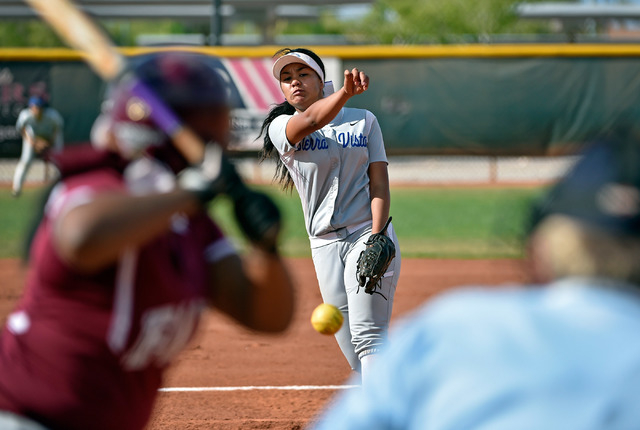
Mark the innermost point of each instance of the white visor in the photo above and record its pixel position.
(296, 57)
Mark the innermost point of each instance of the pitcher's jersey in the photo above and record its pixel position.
(50, 123)
(87, 351)
(329, 168)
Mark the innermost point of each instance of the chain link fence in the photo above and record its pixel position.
(451, 170)
(39, 172)
(403, 170)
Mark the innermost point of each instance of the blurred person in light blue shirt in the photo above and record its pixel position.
(561, 353)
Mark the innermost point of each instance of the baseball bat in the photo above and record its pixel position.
(81, 33)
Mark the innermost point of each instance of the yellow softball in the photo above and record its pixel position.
(326, 319)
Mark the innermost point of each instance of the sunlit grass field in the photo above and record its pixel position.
(438, 222)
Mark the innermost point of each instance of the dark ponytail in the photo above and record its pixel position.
(282, 175)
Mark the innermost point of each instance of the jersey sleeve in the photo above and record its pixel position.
(64, 196)
(22, 119)
(74, 192)
(278, 134)
(376, 141)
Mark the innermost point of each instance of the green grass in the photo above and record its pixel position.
(430, 222)
(461, 222)
(16, 217)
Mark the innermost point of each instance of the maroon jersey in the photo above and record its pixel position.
(88, 351)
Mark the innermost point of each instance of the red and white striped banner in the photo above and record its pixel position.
(257, 86)
(259, 92)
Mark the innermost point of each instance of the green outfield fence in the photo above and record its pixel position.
(475, 114)
(431, 100)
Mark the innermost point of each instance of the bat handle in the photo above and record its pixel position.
(187, 142)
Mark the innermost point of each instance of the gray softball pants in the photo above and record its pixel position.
(366, 316)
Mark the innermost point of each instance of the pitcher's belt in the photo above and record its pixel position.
(338, 234)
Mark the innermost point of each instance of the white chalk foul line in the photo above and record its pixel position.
(264, 387)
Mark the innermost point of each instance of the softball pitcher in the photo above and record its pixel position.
(335, 158)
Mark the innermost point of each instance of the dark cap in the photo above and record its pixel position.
(602, 189)
(36, 101)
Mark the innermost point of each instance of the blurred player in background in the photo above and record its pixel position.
(560, 354)
(41, 128)
(126, 259)
(335, 157)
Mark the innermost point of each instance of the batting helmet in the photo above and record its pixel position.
(187, 83)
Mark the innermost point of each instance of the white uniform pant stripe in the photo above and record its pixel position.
(123, 301)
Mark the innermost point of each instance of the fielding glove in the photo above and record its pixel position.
(374, 261)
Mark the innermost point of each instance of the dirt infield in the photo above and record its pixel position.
(241, 380)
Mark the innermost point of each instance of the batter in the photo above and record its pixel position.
(126, 259)
(335, 158)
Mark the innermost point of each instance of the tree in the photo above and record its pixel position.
(389, 21)
(443, 21)
(28, 33)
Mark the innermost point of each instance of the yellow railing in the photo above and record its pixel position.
(361, 52)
